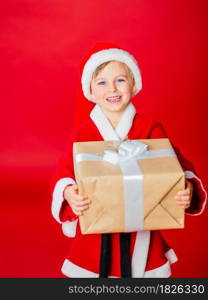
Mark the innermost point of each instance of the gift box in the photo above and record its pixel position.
(131, 185)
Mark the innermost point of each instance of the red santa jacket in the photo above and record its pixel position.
(150, 254)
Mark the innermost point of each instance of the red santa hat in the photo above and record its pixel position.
(104, 52)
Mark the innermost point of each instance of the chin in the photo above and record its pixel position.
(119, 107)
(118, 110)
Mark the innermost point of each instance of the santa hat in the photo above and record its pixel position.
(104, 52)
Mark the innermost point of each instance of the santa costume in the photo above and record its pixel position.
(136, 254)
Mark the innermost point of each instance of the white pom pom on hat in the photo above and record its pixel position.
(104, 52)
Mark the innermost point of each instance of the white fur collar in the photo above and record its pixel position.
(105, 128)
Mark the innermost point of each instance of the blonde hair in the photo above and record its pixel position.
(102, 66)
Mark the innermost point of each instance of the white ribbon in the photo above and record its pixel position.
(126, 157)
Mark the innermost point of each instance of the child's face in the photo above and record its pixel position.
(113, 87)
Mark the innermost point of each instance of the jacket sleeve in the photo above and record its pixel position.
(63, 177)
(199, 198)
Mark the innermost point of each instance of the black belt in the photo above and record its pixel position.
(105, 257)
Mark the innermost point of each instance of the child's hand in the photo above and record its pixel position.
(183, 198)
(78, 203)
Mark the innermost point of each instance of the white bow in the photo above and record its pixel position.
(126, 150)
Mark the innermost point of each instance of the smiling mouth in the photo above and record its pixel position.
(113, 99)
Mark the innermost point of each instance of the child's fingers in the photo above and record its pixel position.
(189, 187)
(82, 208)
(76, 197)
(184, 206)
(72, 194)
(183, 202)
(70, 191)
(182, 198)
(80, 203)
(183, 193)
(77, 201)
(74, 187)
(79, 211)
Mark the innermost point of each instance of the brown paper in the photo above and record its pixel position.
(102, 182)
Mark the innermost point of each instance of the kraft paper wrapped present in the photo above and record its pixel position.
(131, 185)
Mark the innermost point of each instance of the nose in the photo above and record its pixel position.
(112, 86)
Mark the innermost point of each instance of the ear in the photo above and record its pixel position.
(133, 88)
(91, 93)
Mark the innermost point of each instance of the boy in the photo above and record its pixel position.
(110, 78)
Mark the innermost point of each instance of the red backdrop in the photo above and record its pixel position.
(42, 43)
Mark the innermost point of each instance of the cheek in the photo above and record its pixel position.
(98, 93)
(126, 90)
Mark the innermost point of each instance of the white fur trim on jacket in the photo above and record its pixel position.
(190, 175)
(171, 256)
(71, 270)
(58, 197)
(106, 55)
(163, 271)
(68, 227)
(105, 128)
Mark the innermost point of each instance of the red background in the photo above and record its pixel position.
(42, 44)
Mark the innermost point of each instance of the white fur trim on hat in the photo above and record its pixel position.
(103, 56)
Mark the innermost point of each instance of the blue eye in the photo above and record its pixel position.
(101, 83)
(120, 80)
